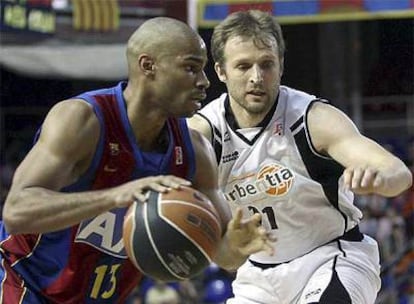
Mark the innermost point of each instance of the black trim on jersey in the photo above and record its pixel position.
(353, 235)
(306, 123)
(335, 292)
(216, 138)
(340, 247)
(209, 123)
(217, 143)
(296, 124)
(301, 119)
(232, 122)
(323, 170)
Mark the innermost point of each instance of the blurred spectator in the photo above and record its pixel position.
(135, 298)
(188, 292)
(217, 285)
(217, 291)
(404, 271)
(161, 293)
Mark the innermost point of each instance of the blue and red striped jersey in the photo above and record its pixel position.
(87, 263)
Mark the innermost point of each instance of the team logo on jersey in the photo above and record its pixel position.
(278, 130)
(278, 178)
(104, 232)
(272, 180)
(178, 155)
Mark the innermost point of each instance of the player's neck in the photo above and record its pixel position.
(246, 119)
(147, 122)
(151, 136)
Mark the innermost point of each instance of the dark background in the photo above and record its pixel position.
(335, 61)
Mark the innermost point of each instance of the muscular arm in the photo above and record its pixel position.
(63, 152)
(206, 176)
(369, 168)
(69, 135)
(241, 238)
(199, 123)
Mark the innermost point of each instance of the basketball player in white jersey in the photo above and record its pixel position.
(297, 161)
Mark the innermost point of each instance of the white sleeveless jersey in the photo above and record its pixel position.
(274, 170)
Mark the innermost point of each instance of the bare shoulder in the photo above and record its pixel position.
(64, 149)
(72, 122)
(328, 124)
(200, 141)
(205, 159)
(199, 123)
(68, 139)
(76, 111)
(206, 174)
(321, 112)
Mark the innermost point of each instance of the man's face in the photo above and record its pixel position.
(251, 73)
(181, 79)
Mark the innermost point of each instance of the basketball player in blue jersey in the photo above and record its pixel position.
(61, 239)
(297, 160)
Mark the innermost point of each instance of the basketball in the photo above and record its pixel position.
(174, 235)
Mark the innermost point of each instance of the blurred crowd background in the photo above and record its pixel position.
(359, 54)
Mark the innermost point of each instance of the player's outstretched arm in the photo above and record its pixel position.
(369, 168)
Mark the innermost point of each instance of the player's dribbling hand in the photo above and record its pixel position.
(248, 236)
(136, 190)
(362, 180)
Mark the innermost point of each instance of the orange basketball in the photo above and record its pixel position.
(174, 235)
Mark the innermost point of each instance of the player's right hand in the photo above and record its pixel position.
(363, 180)
(248, 236)
(126, 193)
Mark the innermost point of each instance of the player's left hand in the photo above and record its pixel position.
(248, 236)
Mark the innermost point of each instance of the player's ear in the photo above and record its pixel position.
(221, 73)
(146, 64)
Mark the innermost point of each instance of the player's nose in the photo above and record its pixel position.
(202, 81)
